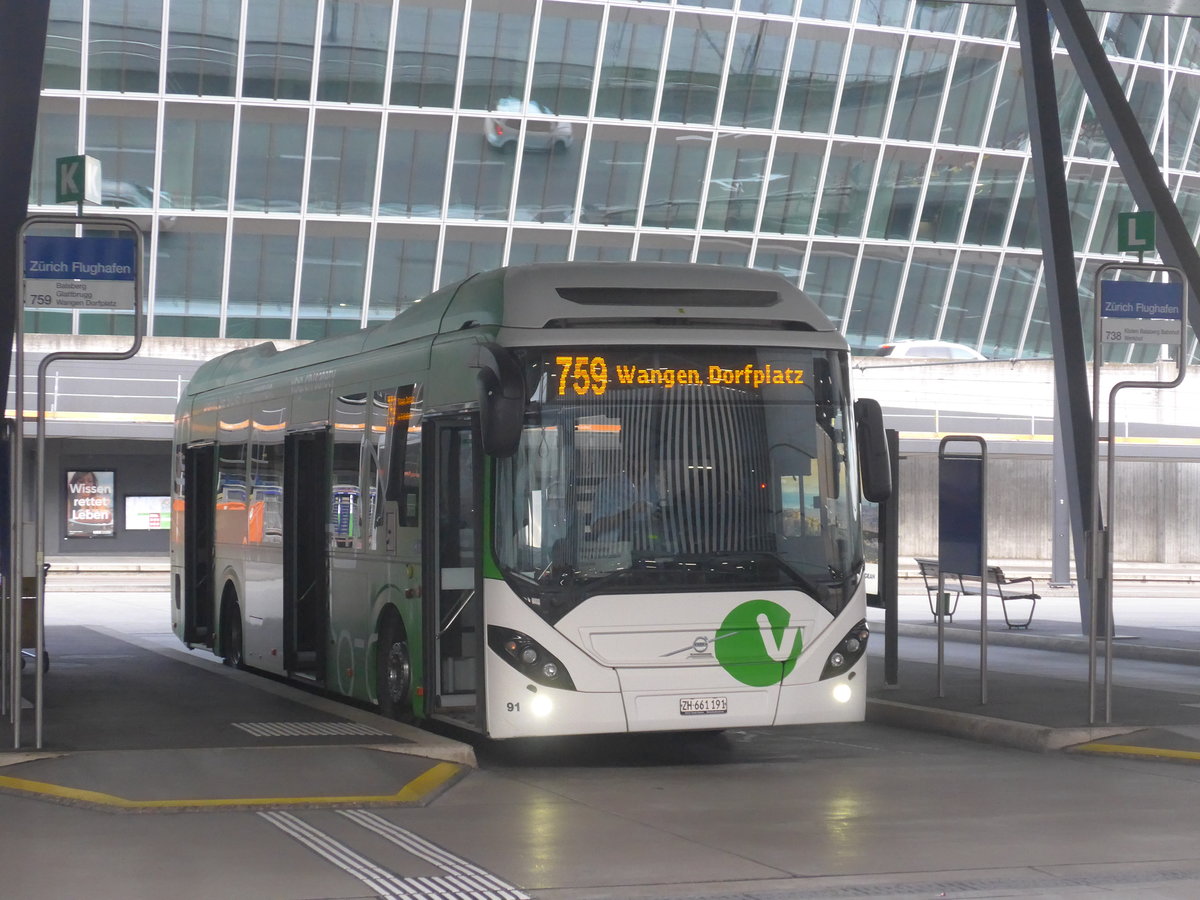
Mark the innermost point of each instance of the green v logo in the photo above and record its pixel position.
(757, 644)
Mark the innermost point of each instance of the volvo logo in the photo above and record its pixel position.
(701, 645)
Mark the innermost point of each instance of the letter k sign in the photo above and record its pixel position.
(78, 179)
(67, 174)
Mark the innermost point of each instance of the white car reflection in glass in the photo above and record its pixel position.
(503, 127)
(928, 350)
(135, 197)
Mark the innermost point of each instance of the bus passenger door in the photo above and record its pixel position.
(453, 572)
(199, 537)
(305, 561)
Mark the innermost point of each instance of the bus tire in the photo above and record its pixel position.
(393, 670)
(231, 631)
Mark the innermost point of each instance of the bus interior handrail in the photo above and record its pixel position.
(455, 613)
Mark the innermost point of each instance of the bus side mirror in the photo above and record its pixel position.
(501, 400)
(873, 457)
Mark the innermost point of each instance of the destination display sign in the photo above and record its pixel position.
(79, 273)
(594, 374)
(1141, 312)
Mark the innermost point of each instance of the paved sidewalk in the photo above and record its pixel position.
(1038, 694)
(136, 722)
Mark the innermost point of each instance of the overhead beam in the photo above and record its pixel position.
(1133, 7)
(1141, 173)
(1076, 431)
(22, 47)
(1139, 168)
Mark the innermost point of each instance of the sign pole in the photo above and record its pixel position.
(17, 543)
(1126, 312)
(77, 180)
(68, 262)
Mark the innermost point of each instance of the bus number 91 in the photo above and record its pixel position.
(587, 375)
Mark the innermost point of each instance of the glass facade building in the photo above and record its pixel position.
(305, 168)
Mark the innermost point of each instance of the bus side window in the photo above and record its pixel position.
(373, 525)
(393, 462)
(345, 510)
(178, 493)
(404, 463)
(264, 521)
(350, 412)
(231, 494)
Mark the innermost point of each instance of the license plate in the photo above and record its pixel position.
(702, 706)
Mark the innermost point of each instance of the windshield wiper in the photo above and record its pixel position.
(757, 557)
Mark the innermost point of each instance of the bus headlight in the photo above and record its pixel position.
(541, 706)
(842, 692)
(848, 652)
(529, 658)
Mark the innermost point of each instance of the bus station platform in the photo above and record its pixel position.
(133, 721)
(1037, 690)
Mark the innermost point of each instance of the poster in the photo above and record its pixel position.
(90, 504)
(148, 513)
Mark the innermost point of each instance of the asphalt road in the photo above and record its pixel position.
(802, 812)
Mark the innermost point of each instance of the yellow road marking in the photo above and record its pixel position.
(414, 792)
(1139, 751)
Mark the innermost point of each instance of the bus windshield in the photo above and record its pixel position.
(661, 469)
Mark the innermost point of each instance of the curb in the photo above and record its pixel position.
(1018, 735)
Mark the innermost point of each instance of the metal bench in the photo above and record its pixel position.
(929, 572)
(999, 584)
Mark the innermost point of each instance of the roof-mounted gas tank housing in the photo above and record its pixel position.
(592, 295)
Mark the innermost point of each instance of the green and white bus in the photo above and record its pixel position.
(549, 499)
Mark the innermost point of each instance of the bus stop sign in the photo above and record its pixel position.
(91, 273)
(1141, 312)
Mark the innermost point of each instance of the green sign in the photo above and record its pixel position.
(1135, 232)
(77, 180)
(757, 644)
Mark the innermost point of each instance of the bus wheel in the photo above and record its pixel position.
(231, 634)
(393, 675)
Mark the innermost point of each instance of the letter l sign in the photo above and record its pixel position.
(1135, 232)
